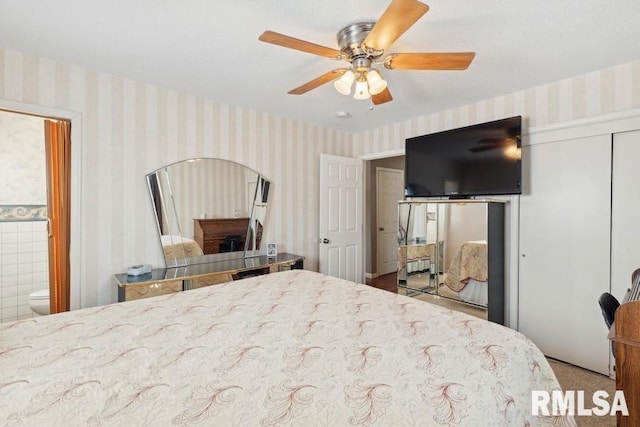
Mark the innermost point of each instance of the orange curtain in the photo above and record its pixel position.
(58, 153)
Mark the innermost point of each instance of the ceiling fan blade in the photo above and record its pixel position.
(494, 141)
(382, 97)
(297, 44)
(494, 146)
(429, 61)
(399, 16)
(318, 81)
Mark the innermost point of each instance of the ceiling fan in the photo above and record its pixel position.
(363, 45)
(487, 144)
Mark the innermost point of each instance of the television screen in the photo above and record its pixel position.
(478, 160)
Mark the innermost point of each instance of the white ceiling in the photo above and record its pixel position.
(210, 48)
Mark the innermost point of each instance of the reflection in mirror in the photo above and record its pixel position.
(417, 247)
(442, 250)
(208, 210)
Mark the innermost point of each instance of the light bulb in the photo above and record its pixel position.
(343, 84)
(376, 84)
(362, 90)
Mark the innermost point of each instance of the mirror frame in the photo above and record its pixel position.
(166, 214)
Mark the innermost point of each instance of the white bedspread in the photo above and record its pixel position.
(288, 349)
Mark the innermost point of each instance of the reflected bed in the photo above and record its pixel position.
(295, 348)
(467, 275)
(179, 247)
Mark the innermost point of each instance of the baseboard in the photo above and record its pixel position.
(370, 275)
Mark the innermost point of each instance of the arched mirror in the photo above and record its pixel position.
(208, 210)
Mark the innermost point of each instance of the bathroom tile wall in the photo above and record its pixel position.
(24, 266)
(23, 212)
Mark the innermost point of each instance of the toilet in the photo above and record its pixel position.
(39, 301)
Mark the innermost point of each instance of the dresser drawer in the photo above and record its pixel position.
(147, 290)
(209, 279)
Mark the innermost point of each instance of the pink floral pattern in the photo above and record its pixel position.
(294, 348)
(448, 399)
(369, 402)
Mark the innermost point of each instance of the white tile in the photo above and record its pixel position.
(8, 227)
(9, 248)
(40, 246)
(9, 303)
(25, 247)
(9, 237)
(9, 270)
(25, 226)
(25, 312)
(23, 299)
(25, 257)
(24, 269)
(38, 267)
(41, 277)
(9, 314)
(9, 291)
(39, 257)
(8, 259)
(39, 287)
(25, 237)
(40, 227)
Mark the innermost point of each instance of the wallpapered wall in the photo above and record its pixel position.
(22, 160)
(132, 128)
(605, 91)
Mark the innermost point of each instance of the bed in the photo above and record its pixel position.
(294, 348)
(466, 277)
(179, 247)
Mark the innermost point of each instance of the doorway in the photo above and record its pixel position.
(371, 207)
(389, 190)
(27, 223)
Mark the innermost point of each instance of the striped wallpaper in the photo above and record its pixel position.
(606, 91)
(132, 128)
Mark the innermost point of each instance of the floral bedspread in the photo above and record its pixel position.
(469, 262)
(287, 349)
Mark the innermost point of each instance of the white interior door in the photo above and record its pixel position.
(341, 187)
(389, 190)
(564, 248)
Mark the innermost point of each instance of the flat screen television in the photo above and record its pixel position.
(477, 160)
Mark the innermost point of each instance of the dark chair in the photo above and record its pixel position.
(609, 304)
(231, 243)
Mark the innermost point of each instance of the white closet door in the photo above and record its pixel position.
(565, 248)
(625, 206)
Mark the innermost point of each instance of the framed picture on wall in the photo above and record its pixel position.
(272, 249)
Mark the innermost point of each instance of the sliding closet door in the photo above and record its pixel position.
(625, 206)
(565, 247)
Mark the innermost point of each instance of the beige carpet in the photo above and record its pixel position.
(572, 377)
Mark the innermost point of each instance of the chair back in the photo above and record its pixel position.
(608, 304)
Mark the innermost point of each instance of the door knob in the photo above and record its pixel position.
(325, 240)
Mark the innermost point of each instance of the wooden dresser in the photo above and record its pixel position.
(163, 281)
(210, 234)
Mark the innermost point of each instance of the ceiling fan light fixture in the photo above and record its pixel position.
(362, 90)
(343, 84)
(376, 83)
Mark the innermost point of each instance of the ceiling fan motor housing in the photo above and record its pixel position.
(351, 41)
